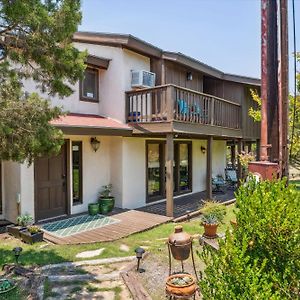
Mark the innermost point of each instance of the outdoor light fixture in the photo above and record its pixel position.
(203, 149)
(95, 143)
(17, 252)
(189, 76)
(139, 255)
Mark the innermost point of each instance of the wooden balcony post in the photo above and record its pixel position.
(209, 168)
(169, 175)
(212, 111)
(239, 166)
(232, 148)
(170, 103)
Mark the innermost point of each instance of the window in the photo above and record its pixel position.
(89, 86)
(77, 172)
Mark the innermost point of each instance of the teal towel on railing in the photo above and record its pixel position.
(183, 106)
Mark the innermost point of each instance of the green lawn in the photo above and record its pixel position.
(42, 253)
(296, 183)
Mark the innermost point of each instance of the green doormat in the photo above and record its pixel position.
(77, 225)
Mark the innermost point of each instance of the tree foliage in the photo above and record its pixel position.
(35, 44)
(260, 259)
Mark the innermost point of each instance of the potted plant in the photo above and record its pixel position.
(181, 285)
(213, 214)
(32, 234)
(22, 222)
(106, 200)
(93, 209)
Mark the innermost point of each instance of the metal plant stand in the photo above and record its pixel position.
(182, 265)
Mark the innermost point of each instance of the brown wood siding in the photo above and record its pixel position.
(177, 74)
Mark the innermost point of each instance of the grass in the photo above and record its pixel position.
(296, 183)
(42, 253)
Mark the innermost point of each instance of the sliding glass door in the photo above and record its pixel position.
(156, 169)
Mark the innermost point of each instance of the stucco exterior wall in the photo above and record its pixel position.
(134, 173)
(27, 189)
(95, 170)
(218, 158)
(199, 165)
(12, 188)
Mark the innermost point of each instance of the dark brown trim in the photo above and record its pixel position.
(79, 144)
(89, 130)
(86, 99)
(161, 143)
(68, 170)
(98, 62)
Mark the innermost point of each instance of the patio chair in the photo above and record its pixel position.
(218, 184)
(231, 178)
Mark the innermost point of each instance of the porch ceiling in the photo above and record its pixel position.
(84, 124)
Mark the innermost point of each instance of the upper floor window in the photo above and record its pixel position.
(89, 86)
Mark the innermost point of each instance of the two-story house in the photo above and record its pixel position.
(162, 122)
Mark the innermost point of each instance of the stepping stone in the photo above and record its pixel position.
(107, 284)
(105, 295)
(124, 248)
(88, 254)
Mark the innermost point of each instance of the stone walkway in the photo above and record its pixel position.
(86, 282)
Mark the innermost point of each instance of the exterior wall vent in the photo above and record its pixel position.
(142, 79)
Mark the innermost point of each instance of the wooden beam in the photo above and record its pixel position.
(209, 168)
(169, 174)
(239, 166)
(232, 148)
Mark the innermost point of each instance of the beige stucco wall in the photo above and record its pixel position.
(219, 158)
(95, 170)
(12, 187)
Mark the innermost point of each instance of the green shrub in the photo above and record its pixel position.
(260, 259)
(213, 212)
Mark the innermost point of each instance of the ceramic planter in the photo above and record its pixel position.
(14, 230)
(106, 205)
(29, 238)
(210, 230)
(181, 291)
(93, 209)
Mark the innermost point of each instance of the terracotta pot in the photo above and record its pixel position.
(186, 290)
(210, 230)
(180, 244)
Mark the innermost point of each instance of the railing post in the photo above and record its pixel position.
(170, 98)
(127, 108)
(212, 111)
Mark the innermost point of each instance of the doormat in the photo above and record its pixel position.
(79, 224)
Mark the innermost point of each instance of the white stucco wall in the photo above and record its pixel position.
(218, 158)
(134, 173)
(27, 189)
(95, 170)
(199, 166)
(12, 187)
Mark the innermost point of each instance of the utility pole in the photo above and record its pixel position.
(274, 94)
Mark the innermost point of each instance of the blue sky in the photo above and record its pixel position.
(222, 33)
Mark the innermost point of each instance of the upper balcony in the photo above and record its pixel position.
(184, 110)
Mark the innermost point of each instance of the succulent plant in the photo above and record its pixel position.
(24, 220)
(33, 229)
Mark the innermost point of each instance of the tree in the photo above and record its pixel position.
(35, 44)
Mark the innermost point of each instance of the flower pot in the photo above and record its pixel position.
(186, 290)
(210, 230)
(106, 205)
(93, 209)
(29, 238)
(14, 230)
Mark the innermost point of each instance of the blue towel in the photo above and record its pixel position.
(183, 106)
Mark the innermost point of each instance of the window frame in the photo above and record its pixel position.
(80, 200)
(81, 81)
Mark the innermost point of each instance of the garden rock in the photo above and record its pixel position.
(92, 253)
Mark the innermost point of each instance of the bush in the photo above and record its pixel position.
(260, 259)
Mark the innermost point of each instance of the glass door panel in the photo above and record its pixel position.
(183, 163)
(154, 169)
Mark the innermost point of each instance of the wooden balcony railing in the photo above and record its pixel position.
(169, 102)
